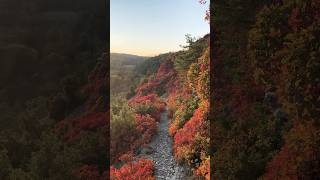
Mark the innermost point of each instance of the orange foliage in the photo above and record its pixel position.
(146, 126)
(193, 126)
(188, 106)
(96, 90)
(150, 99)
(69, 129)
(143, 99)
(141, 169)
(186, 136)
(128, 157)
(299, 157)
(87, 172)
(204, 169)
(198, 75)
(147, 88)
(173, 128)
(165, 70)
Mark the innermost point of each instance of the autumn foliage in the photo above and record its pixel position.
(186, 94)
(192, 133)
(140, 169)
(265, 116)
(149, 104)
(146, 127)
(71, 129)
(142, 113)
(89, 172)
(189, 109)
(299, 157)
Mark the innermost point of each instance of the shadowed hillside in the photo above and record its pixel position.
(53, 89)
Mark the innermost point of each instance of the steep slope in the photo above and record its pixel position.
(181, 77)
(265, 118)
(90, 120)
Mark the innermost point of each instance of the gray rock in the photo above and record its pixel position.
(165, 165)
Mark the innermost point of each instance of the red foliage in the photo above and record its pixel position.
(204, 169)
(304, 15)
(151, 98)
(166, 69)
(294, 21)
(127, 157)
(164, 78)
(87, 172)
(299, 157)
(173, 84)
(147, 126)
(123, 146)
(91, 121)
(96, 90)
(148, 87)
(190, 129)
(69, 129)
(186, 135)
(142, 169)
(143, 99)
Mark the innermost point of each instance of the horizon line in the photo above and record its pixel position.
(126, 53)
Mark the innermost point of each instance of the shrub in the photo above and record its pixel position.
(141, 169)
(146, 126)
(299, 157)
(122, 131)
(193, 139)
(144, 109)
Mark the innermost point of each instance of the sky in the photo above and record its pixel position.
(152, 27)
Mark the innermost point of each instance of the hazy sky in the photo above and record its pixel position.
(152, 27)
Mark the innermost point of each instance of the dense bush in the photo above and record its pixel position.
(284, 48)
(265, 120)
(189, 108)
(193, 51)
(122, 130)
(147, 108)
(191, 142)
(141, 169)
(299, 157)
(146, 127)
(151, 103)
(47, 50)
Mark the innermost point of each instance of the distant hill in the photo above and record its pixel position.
(122, 67)
(120, 59)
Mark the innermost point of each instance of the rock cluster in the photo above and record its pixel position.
(166, 168)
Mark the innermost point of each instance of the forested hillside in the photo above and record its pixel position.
(41, 42)
(122, 71)
(180, 82)
(259, 119)
(265, 113)
(53, 89)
